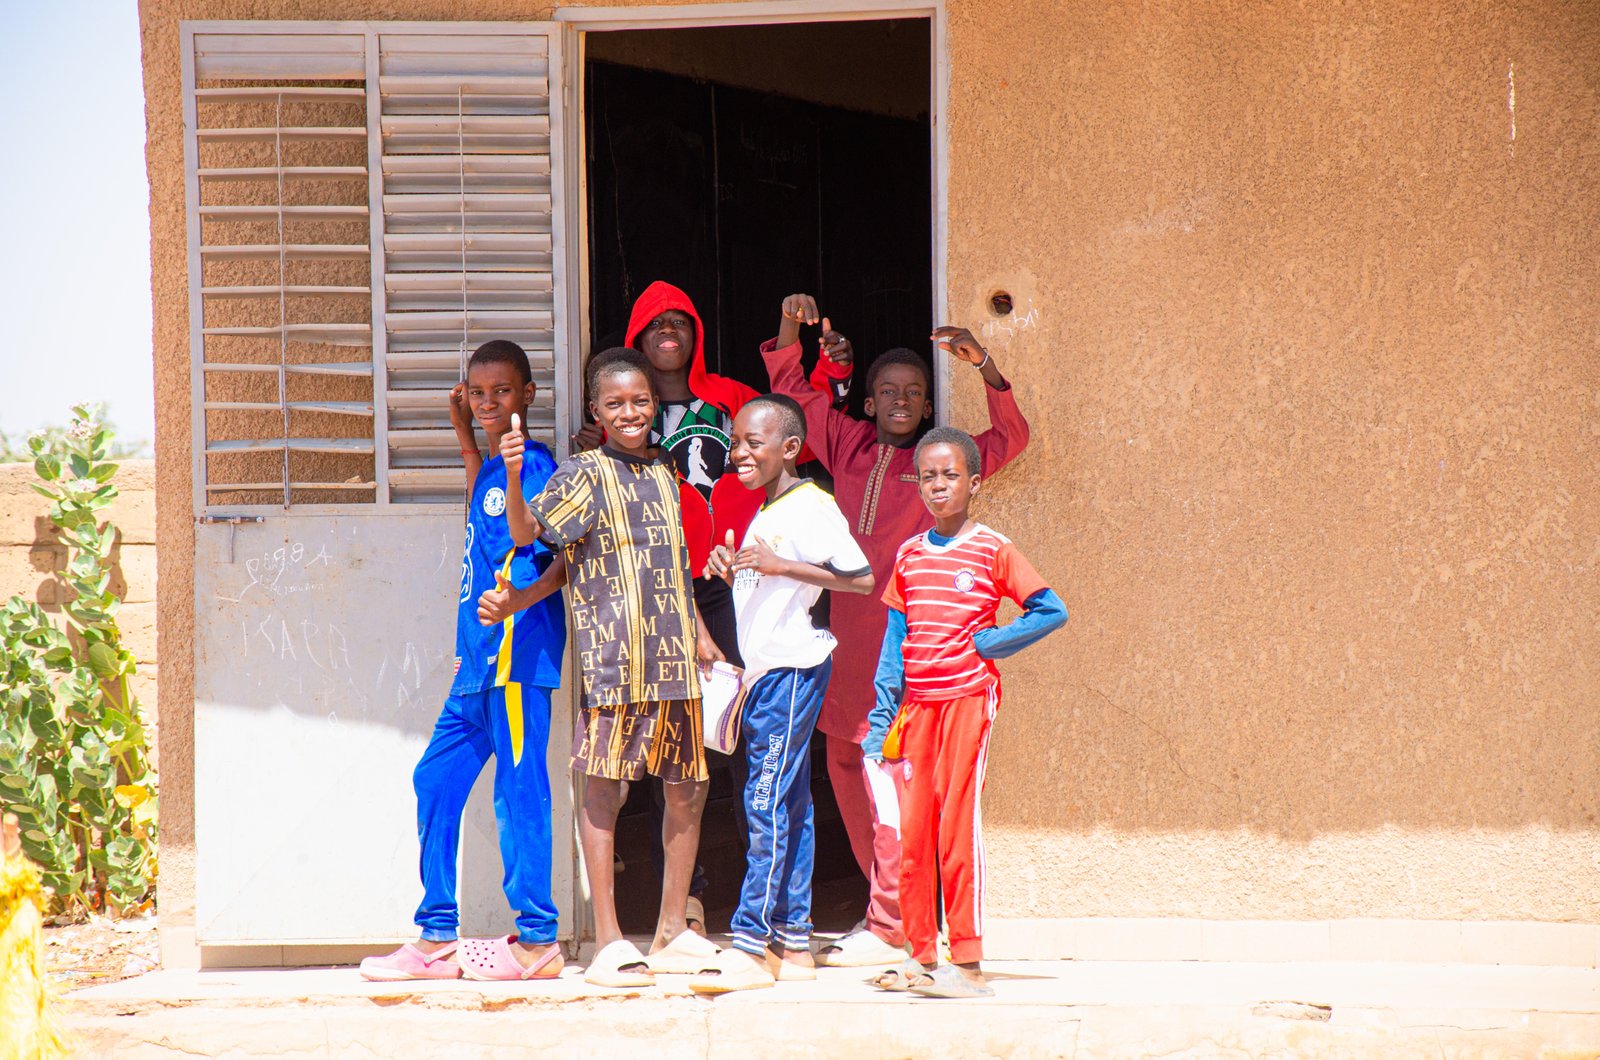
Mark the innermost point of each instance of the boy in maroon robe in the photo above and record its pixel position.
(875, 485)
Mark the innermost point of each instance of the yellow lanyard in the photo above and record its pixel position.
(502, 673)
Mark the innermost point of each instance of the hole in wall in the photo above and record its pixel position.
(1000, 303)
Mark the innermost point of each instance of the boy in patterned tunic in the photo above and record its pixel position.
(937, 693)
(614, 512)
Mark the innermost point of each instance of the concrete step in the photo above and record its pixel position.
(1041, 1009)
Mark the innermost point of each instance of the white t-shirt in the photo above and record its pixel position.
(775, 629)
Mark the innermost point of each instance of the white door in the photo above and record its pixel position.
(367, 203)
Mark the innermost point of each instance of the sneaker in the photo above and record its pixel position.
(859, 949)
(408, 962)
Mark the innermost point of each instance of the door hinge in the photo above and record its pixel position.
(232, 522)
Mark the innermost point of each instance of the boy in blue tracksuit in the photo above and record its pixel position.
(797, 544)
(499, 703)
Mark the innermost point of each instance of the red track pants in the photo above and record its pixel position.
(946, 746)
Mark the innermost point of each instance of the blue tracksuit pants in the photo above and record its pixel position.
(780, 713)
(471, 729)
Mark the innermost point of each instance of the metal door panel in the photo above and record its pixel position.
(324, 649)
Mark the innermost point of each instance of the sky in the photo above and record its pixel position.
(75, 255)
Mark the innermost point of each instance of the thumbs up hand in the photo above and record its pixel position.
(761, 558)
(835, 346)
(511, 446)
(495, 606)
(720, 563)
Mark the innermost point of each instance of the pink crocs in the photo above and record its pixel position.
(408, 962)
(491, 960)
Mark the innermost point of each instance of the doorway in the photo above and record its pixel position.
(743, 164)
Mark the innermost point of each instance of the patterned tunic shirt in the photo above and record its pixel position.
(617, 517)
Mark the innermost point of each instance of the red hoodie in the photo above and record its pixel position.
(731, 506)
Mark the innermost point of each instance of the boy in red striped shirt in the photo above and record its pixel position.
(937, 691)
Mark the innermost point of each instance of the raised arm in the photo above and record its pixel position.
(831, 376)
(835, 365)
(461, 420)
(828, 429)
(525, 529)
(1007, 435)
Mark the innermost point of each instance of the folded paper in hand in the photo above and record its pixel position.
(880, 782)
(721, 706)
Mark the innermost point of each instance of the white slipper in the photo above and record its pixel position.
(789, 972)
(734, 970)
(607, 967)
(685, 955)
(859, 949)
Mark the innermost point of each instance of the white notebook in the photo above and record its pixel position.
(721, 706)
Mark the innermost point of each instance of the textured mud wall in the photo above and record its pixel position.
(1306, 321)
(1309, 341)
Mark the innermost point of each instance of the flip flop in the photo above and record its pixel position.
(900, 977)
(947, 981)
(789, 972)
(491, 960)
(729, 975)
(607, 967)
(685, 955)
(859, 949)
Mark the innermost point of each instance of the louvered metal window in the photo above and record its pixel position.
(367, 204)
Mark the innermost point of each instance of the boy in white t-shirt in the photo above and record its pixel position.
(797, 545)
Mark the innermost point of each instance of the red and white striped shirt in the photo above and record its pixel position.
(949, 592)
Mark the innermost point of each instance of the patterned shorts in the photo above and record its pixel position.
(626, 742)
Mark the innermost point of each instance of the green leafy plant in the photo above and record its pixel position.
(74, 759)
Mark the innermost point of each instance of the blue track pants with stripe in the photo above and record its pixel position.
(471, 729)
(780, 714)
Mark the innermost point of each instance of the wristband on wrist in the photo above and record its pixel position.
(983, 362)
(472, 452)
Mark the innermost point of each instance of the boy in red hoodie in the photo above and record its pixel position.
(875, 485)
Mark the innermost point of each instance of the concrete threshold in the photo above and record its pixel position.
(1041, 1009)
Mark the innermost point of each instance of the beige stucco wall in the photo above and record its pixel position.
(1308, 343)
(31, 553)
